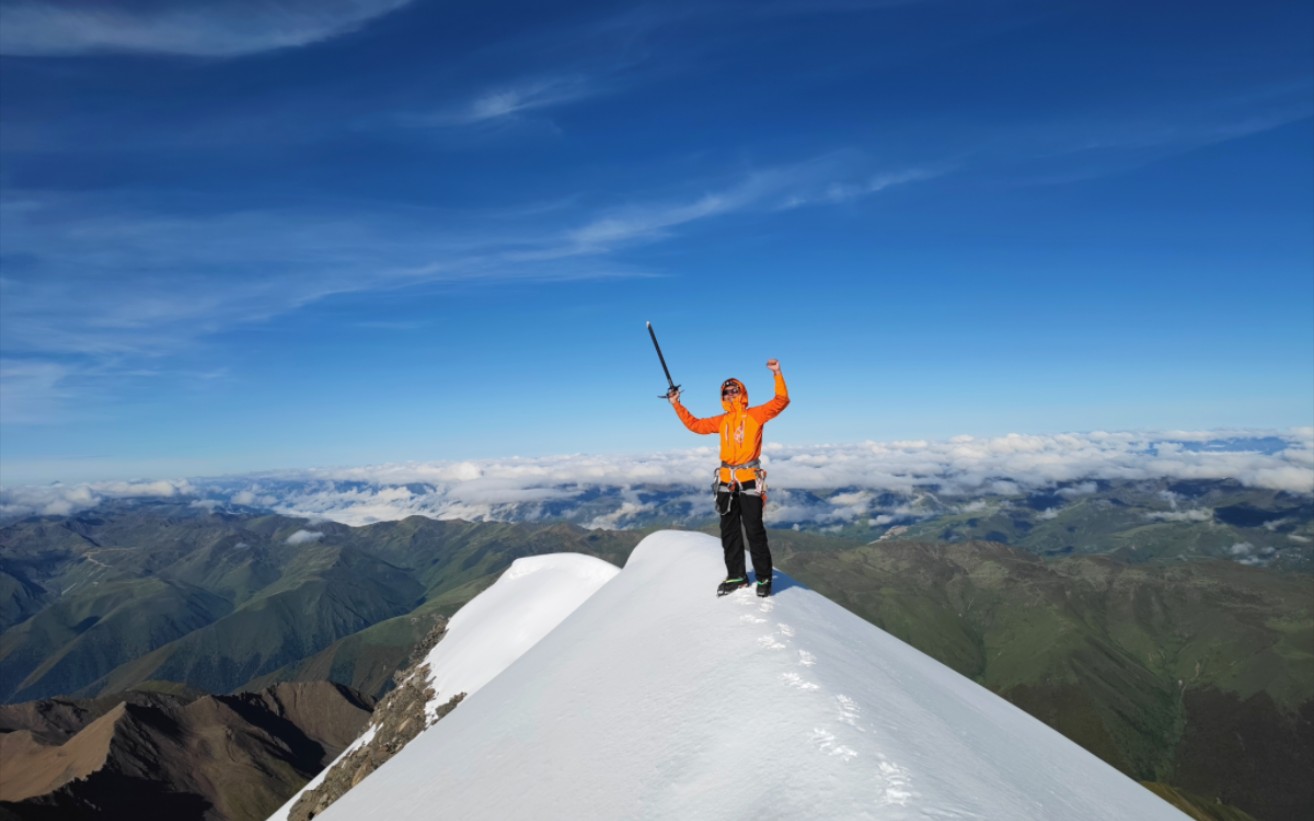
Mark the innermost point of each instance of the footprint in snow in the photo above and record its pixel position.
(798, 682)
(849, 712)
(749, 618)
(786, 630)
(827, 743)
(806, 659)
(770, 643)
(897, 783)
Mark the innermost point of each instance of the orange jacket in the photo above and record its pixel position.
(740, 427)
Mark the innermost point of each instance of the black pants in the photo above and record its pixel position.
(744, 515)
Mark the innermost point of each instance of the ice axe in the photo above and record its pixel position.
(669, 380)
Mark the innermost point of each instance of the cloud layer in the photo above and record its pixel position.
(827, 483)
(62, 500)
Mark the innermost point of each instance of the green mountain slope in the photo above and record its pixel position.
(1142, 664)
(334, 592)
(1190, 672)
(365, 660)
(161, 591)
(82, 637)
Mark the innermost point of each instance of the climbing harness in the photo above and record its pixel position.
(754, 487)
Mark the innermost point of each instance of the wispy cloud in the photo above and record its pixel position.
(648, 222)
(615, 52)
(517, 98)
(304, 537)
(839, 192)
(812, 7)
(1172, 137)
(1099, 143)
(32, 392)
(220, 28)
(826, 180)
(109, 309)
(108, 280)
(110, 288)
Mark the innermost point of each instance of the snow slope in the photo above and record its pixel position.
(656, 700)
(494, 628)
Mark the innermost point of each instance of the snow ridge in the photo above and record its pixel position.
(653, 699)
(496, 627)
(492, 630)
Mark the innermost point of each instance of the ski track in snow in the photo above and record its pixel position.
(895, 780)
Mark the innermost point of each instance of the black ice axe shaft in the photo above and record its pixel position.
(669, 380)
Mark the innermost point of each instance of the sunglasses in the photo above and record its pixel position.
(730, 391)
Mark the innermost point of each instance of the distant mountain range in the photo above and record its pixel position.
(1132, 521)
(135, 592)
(1246, 496)
(1167, 627)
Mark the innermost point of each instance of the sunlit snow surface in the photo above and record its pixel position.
(656, 700)
(501, 623)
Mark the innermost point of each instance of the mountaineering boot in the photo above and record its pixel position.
(730, 586)
(764, 589)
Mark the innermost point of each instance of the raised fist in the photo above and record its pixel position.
(774, 365)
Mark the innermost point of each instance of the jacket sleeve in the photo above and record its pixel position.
(710, 425)
(773, 408)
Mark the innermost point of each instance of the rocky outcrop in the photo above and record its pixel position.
(156, 755)
(399, 717)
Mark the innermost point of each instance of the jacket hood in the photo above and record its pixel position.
(740, 401)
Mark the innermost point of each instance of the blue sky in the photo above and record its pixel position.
(241, 236)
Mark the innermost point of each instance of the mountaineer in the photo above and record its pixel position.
(740, 481)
